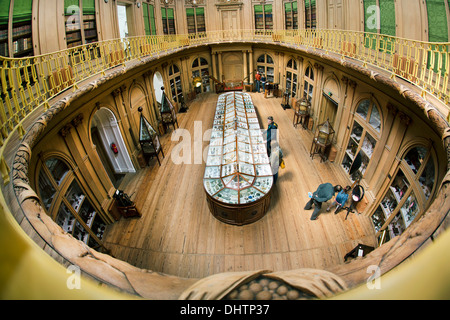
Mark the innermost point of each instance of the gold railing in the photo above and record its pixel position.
(30, 83)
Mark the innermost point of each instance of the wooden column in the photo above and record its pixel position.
(220, 66)
(85, 173)
(244, 54)
(250, 67)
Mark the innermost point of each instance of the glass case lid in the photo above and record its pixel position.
(237, 169)
(146, 131)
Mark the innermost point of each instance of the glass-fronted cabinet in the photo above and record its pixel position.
(408, 194)
(237, 173)
(67, 203)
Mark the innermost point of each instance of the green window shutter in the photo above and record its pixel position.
(437, 32)
(370, 24)
(170, 14)
(294, 6)
(4, 11)
(306, 3)
(190, 12)
(163, 13)
(258, 8)
(287, 7)
(387, 13)
(88, 7)
(387, 23)
(22, 10)
(146, 19)
(437, 21)
(200, 11)
(68, 4)
(151, 15)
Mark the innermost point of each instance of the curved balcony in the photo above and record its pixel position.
(35, 89)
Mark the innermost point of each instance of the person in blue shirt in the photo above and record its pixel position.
(323, 193)
(340, 199)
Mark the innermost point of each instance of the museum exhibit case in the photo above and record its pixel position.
(238, 176)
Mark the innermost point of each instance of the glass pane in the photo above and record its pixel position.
(397, 226)
(269, 59)
(415, 157)
(389, 203)
(357, 132)
(58, 169)
(87, 212)
(46, 190)
(310, 93)
(74, 195)
(368, 145)
(98, 227)
(195, 63)
(352, 148)
(410, 209)
(261, 59)
(203, 62)
(427, 178)
(363, 109)
(400, 185)
(375, 119)
(378, 219)
(80, 233)
(65, 219)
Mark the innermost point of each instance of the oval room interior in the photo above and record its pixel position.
(224, 149)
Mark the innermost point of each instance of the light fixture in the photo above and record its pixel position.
(197, 82)
(138, 4)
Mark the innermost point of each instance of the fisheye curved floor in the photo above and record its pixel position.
(178, 235)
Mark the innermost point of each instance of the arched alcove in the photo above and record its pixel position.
(110, 145)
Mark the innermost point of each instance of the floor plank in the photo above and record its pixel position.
(178, 235)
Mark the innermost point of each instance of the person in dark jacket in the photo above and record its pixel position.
(323, 193)
(271, 134)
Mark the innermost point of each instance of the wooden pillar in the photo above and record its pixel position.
(244, 53)
(86, 173)
(220, 66)
(252, 72)
(214, 65)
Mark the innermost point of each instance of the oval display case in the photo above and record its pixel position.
(238, 176)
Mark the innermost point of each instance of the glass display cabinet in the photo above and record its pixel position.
(238, 176)
(149, 140)
(168, 114)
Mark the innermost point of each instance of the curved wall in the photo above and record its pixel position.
(116, 91)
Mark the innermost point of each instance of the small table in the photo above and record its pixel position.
(320, 149)
(301, 118)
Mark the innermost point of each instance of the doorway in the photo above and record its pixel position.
(123, 20)
(157, 84)
(110, 146)
(328, 110)
(230, 20)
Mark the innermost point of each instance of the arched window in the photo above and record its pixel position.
(409, 194)
(67, 203)
(364, 136)
(308, 88)
(175, 82)
(264, 65)
(291, 77)
(200, 69)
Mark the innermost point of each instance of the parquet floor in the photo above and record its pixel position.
(177, 234)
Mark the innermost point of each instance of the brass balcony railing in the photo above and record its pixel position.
(29, 83)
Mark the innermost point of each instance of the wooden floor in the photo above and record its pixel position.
(177, 234)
